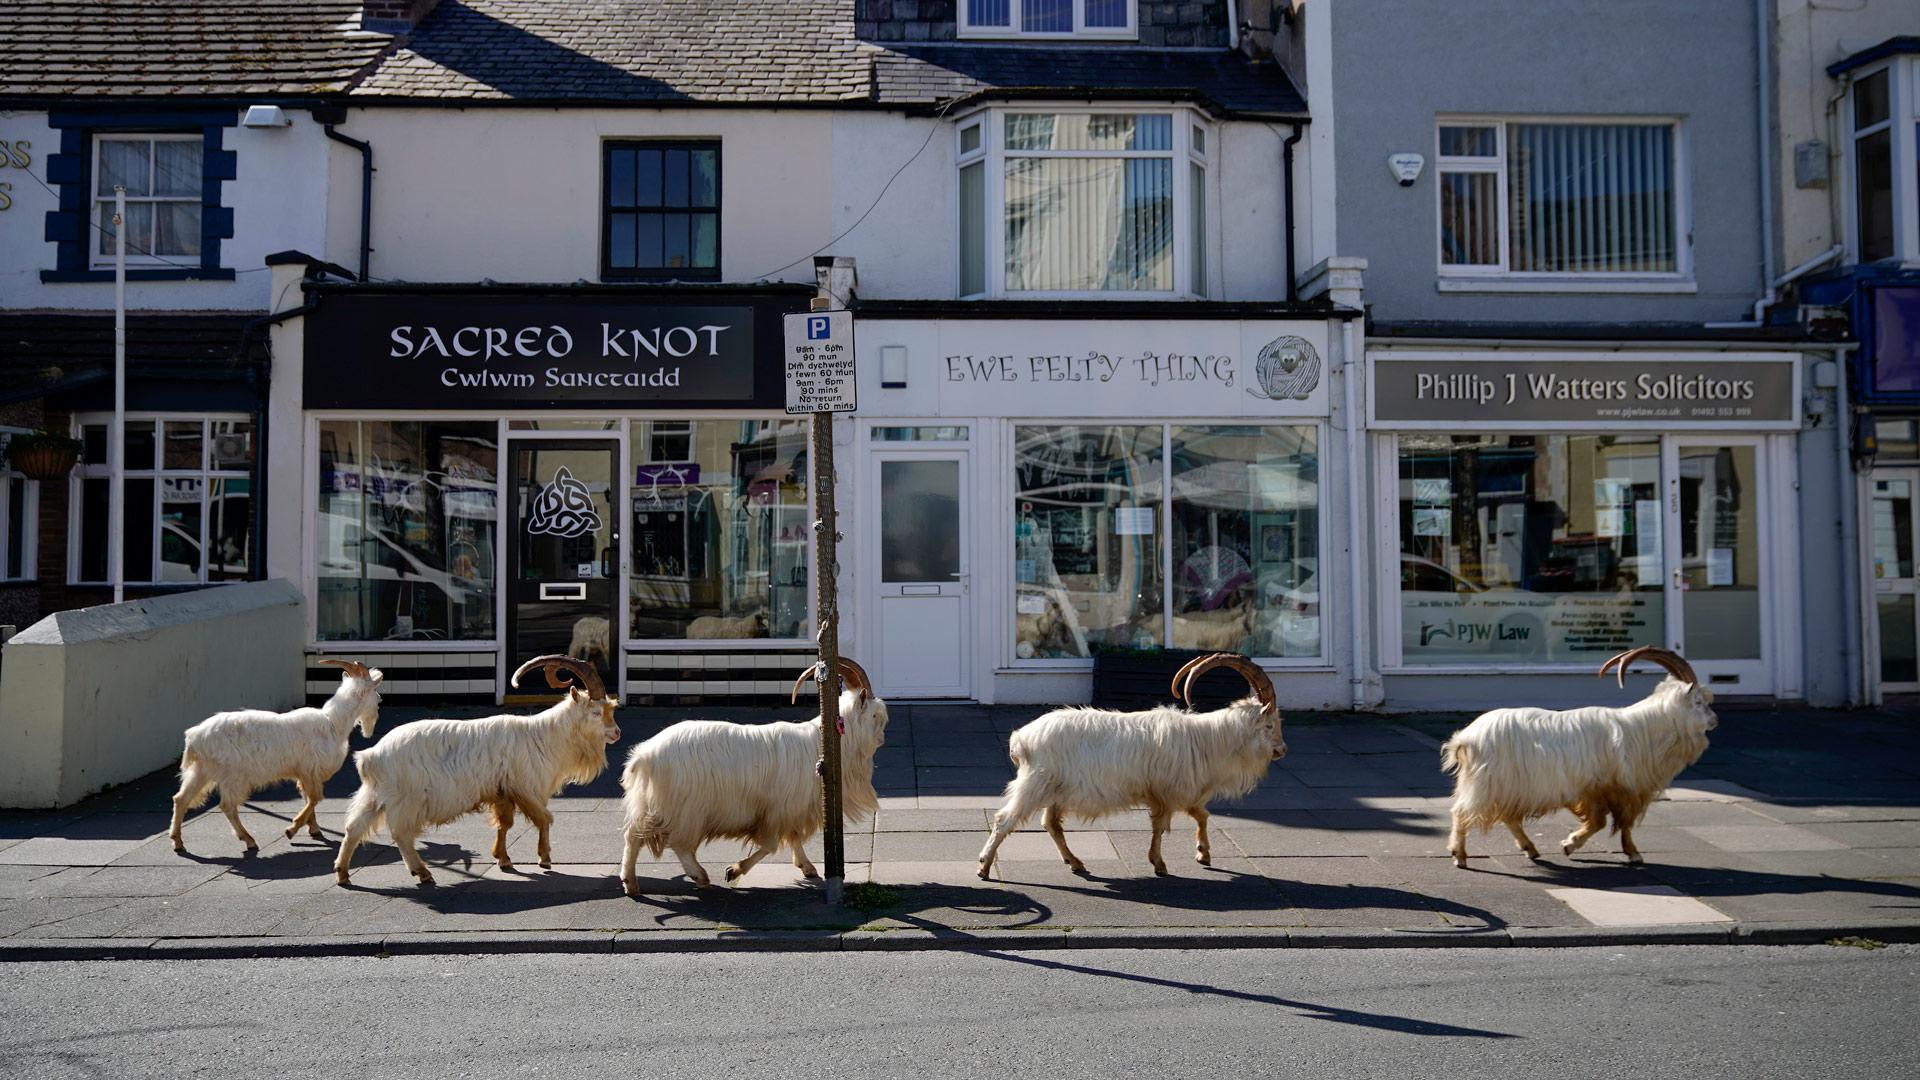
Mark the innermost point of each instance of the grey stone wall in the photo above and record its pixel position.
(1162, 25)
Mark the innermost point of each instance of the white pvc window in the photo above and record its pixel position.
(19, 523)
(162, 175)
(1082, 204)
(189, 501)
(1561, 199)
(1048, 18)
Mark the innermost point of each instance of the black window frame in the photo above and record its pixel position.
(610, 272)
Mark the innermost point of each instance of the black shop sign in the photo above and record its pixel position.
(441, 350)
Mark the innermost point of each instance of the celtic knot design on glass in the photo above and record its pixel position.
(1288, 367)
(564, 508)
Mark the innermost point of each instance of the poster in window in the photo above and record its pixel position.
(1430, 522)
(1133, 520)
(1432, 493)
(1719, 566)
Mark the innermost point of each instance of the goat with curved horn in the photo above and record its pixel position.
(558, 668)
(1092, 762)
(1674, 663)
(1511, 765)
(354, 668)
(1257, 680)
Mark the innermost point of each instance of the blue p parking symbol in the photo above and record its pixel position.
(819, 327)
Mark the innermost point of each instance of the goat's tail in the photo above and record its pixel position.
(367, 811)
(192, 773)
(642, 820)
(1455, 756)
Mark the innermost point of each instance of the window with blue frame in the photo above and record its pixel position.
(173, 165)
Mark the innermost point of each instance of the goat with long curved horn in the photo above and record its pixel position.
(565, 671)
(1674, 663)
(1092, 762)
(1257, 680)
(353, 668)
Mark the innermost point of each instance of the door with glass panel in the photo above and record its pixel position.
(1893, 577)
(919, 531)
(1717, 557)
(563, 550)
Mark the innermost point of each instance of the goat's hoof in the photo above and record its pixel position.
(546, 862)
(316, 834)
(427, 880)
(179, 846)
(733, 872)
(810, 873)
(1460, 861)
(339, 877)
(985, 869)
(1203, 858)
(1635, 860)
(1534, 855)
(1160, 870)
(291, 830)
(1566, 849)
(505, 865)
(631, 888)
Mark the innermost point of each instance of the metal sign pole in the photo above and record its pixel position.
(820, 382)
(117, 451)
(833, 827)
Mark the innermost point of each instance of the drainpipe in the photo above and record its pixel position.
(1763, 60)
(1286, 169)
(328, 117)
(1853, 594)
(1357, 505)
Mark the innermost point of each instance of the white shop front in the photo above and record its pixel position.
(1029, 487)
(1539, 511)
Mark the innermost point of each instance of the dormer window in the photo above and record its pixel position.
(1048, 18)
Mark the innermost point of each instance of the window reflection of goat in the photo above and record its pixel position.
(592, 638)
(753, 625)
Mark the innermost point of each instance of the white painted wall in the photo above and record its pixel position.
(1810, 36)
(101, 696)
(514, 195)
(278, 201)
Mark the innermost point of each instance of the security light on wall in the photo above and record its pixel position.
(1406, 167)
(265, 116)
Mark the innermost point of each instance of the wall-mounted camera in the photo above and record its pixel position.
(1406, 167)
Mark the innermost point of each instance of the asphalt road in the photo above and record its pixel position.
(1674, 1011)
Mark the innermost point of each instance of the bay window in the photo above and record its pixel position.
(188, 514)
(1559, 199)
(1082, 204)
(1047, 18)
(1192, 536)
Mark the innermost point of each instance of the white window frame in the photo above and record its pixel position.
(1331, 611)
(100, 206)
(28, 542)
(1129, 32)
(992, 124)
(1500, 277)
(157, 472)
(1903, 117)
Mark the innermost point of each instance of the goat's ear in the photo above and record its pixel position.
(376, 676)
(576, 693)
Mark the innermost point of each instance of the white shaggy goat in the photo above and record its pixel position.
(703, 780)
(243, 751)
(430, 772)
(590, 637)
(1092, 762)
(1514, 764)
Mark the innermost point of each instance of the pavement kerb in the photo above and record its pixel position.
(709, 941)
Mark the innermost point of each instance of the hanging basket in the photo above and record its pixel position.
(43, 463)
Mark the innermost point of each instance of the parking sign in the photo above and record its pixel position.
(820, 362)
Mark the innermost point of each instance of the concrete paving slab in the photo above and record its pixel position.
(1870, 834)
(1642, 905)
(967, 821)
(1762, 838)
(1808, 812)
(1701, 789)
(959, 802)
(60, 851)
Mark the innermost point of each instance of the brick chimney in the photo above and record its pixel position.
(393, 16)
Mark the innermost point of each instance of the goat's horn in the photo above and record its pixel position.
(812, 669)
(1653, 654)
(1675, 664)
(563, 671)
(1617, 664)
(1257, 679)
(353, 668)
(1179, 687)
(853, 673)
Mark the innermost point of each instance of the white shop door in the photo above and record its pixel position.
(920, 535)
(1719, 544)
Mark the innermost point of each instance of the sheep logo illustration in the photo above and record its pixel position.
(564, 508)
(1288, 368)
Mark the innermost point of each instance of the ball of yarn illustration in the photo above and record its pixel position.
(1288, 367)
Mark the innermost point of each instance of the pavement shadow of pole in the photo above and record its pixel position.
(1307, 1009)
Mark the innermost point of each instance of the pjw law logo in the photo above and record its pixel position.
(564, 508)
(1465, 632)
